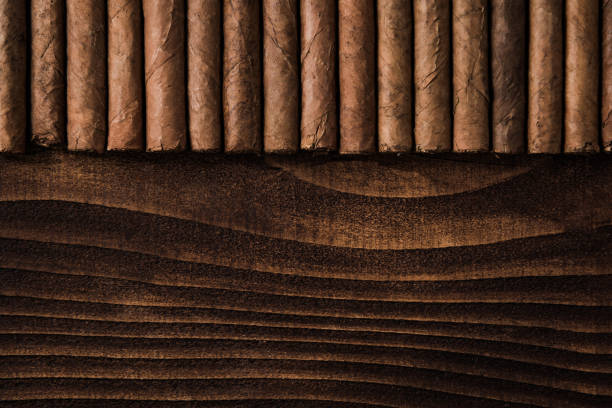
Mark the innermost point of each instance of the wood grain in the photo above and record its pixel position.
(190, 280)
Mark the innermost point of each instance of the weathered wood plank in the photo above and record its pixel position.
(196, 280)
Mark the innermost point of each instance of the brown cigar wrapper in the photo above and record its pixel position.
(125, 70)
(86, 68)
(432, 75)
(281, 79)
(48, 72)
(394, 75)
(357, 70)
(13, 60)
(470, 76)
(319, 121)
(164, 36)
(508, 71)
(545, 105)
(581, 73)
(204, 74)
(606, 75)
(241, 76)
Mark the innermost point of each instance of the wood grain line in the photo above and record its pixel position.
(598, 343)
(243, 346)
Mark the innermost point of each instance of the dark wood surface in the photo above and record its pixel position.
(192, 280)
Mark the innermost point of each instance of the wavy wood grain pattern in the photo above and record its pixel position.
(209, 281)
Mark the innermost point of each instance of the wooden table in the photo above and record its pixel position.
(191, 280)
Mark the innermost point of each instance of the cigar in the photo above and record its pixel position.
(241, 76)
(319, 121)
(581, 74)
(164, 36)
(357, 71)
(470, 76)
(204, 74)
(545, 81)
(394, 75)
(606, 75)
(432, 75)
(13, 60)
(508, 71)
(281, 76)
(48, 72)
(125, 95)
(86, 79)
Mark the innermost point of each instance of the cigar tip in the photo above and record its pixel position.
(584, 148)
(432, 149)
(387, 149)
(207, 150)
(281, 151)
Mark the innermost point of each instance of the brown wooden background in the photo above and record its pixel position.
(191, 280)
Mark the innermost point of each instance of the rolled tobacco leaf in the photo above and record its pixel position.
(357, 72)
(509, 75)
(204, 74)
(545, 76)
(470, 76)
(48, 72)
(432, 75)
(606, 75)
(281, 80)
(581, 73)
(164, 36)
(125, 71)
(86, 74)
(241, 76)
(395, 121)
(13, 61)
(319, 121)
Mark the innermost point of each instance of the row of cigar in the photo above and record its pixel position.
(354, 76)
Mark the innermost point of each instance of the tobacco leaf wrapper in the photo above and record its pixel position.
(508, 68)
(13, 62)
(319, 121)
(125, 65)
(241, 76)
(204, 74)
(470, 76)
(581, 73)
(164, 36)
(357, 70)
(86, 78)
(545, 76)
(281, 76)
(48, 72)
(394, 75)
(432, 75)
(606, 75)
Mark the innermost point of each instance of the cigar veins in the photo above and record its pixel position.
(86, 74)
(281, 81)
(432, 75)
(48, 72)
(470, 76)
(606, 75)
(164, 36)
(125, 70)
(394, 75)
(509, 76)
(319, 120)
(204, 74)
(241, 76)
(545, 105)
(13, 49)
(581, 73)
(357, 70)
